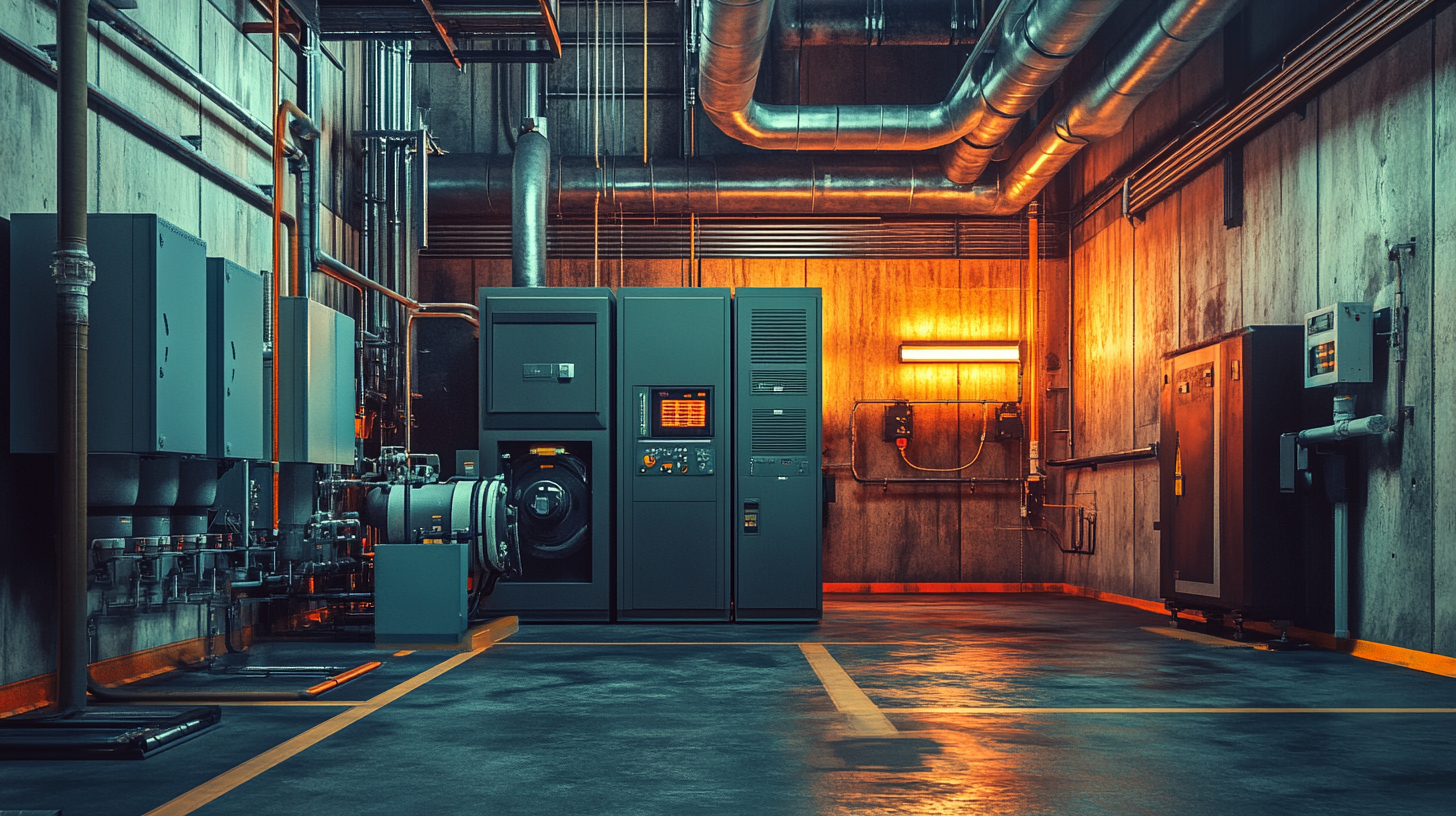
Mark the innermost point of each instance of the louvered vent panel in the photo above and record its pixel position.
(779, 337)
(780, 382)
(780, 432)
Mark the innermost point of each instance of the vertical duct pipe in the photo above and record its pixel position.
(530, 179)
(530, 183)
(73, 272)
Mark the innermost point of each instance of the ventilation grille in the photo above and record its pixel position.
(780, 431)
(779, 337)
(726, 237)
(780, 382)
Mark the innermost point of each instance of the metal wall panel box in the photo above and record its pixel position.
(1338, 345)
(674, 357)
(1231, 541)
(148, 337)
(315, 383)
(419, 593)
(546, 412)
(234, 362)
(778, 458)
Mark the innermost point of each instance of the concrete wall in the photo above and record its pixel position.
(1371, 161)
(128, 175)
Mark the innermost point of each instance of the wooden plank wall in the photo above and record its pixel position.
(900, 533)
(1327, 189)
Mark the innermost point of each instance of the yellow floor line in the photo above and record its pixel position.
(975, 711)
(403, 652)
(865, 718)
(219, 785)
(1198, 637)
(734, 643)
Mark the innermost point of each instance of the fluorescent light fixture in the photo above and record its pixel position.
(970, 351)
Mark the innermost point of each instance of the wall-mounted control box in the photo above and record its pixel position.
(899, 422)
(1338, 343)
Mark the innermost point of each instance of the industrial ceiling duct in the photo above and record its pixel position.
(468, 188)
(800, 23)
(1036, 46)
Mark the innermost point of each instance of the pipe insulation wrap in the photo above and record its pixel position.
(1346, 429)
(530, 182)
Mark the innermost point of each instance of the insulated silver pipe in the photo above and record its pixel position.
(872, 22)
(467, 188)
(1136, 67)
(734, 34)
(1029, 61)
(530, 182)
(1345, 429)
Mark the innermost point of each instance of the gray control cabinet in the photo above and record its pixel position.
(778, 489)
(546, 383)
(148, 338)
(419, 593)
(235, 393)
(674, 490)
(315, 383)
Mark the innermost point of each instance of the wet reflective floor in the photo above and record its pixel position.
(972, 704)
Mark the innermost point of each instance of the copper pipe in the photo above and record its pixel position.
(340, 271)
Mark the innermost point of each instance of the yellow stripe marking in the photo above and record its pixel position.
(219, 785)
(728, 643)
(865, 718)
(403, 652)
(983, 710)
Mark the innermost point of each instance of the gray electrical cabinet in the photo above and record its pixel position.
(315, 383)
(674, 492)
(419, 593)
(546, 412)
(147, 362)
(778, 430)
(235, 393)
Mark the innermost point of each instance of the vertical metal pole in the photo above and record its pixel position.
(73, 272)
(1342, 570)
(1033, 288)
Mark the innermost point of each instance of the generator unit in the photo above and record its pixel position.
(778, 454)
(1231, 541)
(674, 358)
(546, 408)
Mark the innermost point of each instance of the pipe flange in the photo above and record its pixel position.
(72, 267)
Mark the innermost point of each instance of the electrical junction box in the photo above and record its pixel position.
(419, 593)
(235, 393)
(1338, 345)
(899, 422)
(315, 383)
(147, 363)
(1008, 421)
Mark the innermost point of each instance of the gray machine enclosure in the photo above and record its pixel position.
(778, 489)
(547, 379)
(674, 548)
(315, 383)
(235, 362)
(148, 341)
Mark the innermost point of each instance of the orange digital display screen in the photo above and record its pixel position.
(682, 413)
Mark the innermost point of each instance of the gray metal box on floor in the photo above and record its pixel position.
(235, 361)
(315, 362)
(778, 457)
(419, 593)
(148, 337)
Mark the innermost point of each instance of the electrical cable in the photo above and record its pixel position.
(985, 425)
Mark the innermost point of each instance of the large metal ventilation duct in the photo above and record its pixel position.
(530, 172)
(466, 188)
(800, 23)
(1036, 46)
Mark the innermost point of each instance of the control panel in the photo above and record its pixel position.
(780, 466)
(658, 459)
(1338, 342)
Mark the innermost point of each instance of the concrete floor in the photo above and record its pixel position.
(733, 719)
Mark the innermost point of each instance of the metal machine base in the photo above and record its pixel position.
(104, 732)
